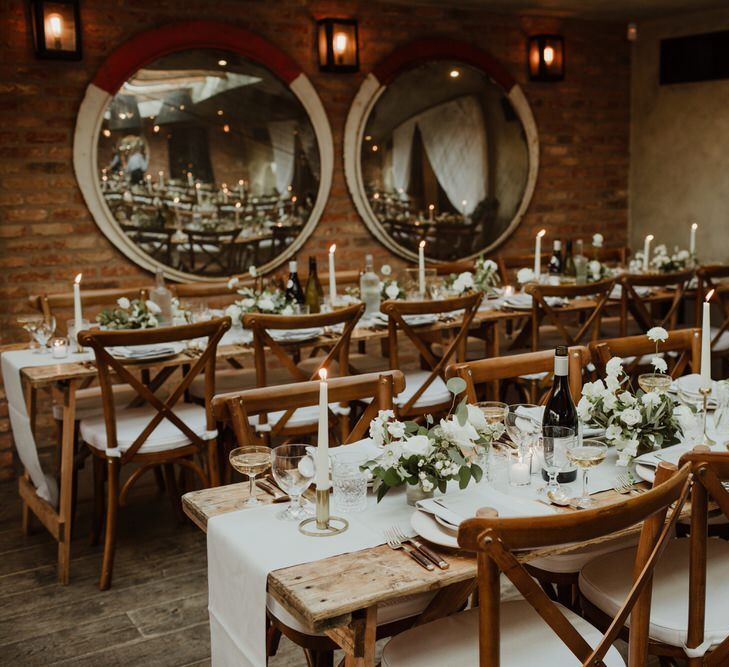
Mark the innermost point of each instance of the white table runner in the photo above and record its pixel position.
(13, 361)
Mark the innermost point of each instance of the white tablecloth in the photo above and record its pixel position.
(12, 363)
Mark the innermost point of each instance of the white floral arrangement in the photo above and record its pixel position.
(635, 423)
(485, 278)
(130, 314)
(658, 335)
(661, 261)
(596, 270)
(430, 456)
(269, 301)
(391, 289)
(525, 275)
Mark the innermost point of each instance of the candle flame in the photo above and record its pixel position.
(709, 295)
(77, 279)
(422, 244)
(240, 182)
(541, 233)
(332, 248)
(649, 237)
(237, 204)
(694, 226)
(323, 374)
(197, 186)
(431, 207)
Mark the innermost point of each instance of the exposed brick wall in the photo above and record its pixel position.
(47, 234)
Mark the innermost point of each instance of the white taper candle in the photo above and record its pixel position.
(421, 268)
(692, 240)
(538, 253)
(647, 251)
(332, 275)
(322, 449)
(77, 311)
(706, 343)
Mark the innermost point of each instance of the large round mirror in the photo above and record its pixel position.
(207, 161)
(444, 151)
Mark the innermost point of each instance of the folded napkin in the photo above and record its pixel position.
(295, 334)
(525, 301)
(144, 351)
(415, 320)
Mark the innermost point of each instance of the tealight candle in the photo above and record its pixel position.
(520, 472)
(59, 348)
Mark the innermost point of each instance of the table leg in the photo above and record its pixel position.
(358, 639)
(65, 497)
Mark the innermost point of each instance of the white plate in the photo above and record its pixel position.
(426, 526)
(150, 352)
(295, 335)
(419, 320)
(646, 473)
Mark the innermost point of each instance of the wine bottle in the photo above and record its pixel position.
(369, 287)
(294, 293)
(313, 291)
(163, 298)
(555, 261)
(569, 263)
(560, 408)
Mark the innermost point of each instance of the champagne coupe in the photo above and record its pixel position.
(293, 470)
(555, 441)
(252, 461)
(586, 455)
(658, 382)
(30, 323)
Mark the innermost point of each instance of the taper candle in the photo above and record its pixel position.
(322, 449)
(77, 311)
(647, 251)
(538, 253)
(692, 241)
(706, 343)
(332, 275)
(421, 268)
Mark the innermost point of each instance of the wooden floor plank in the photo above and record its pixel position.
(168, 616)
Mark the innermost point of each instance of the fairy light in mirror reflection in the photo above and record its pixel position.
(548, 55)
(340, 46)
(454, 74)
(55, 28)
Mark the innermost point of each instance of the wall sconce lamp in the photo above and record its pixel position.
(56, 29)
(546, 58)
(338, 45)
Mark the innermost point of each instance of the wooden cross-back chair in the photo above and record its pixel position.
(485, 371)
(427, 391)
(564, 319)
(636, 350)
(159, 433)
(49, 304)
(536, 630)
(208, 250)
(689, 619)
(336, 359)
(710, 277)
(632, 303)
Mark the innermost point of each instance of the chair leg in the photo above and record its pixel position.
(160, 480)
(172, 491)
(97, 522)
(112, 509)
(213, 469)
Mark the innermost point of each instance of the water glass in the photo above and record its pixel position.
(350, 484)
(293, 470)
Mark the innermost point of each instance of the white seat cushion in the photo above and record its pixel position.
(573, 562)
(387, 612)
(436, 393)
(606, 580)
(722, 344)
(526, 640)
(306, 416)
(130, 423)
(88, 401)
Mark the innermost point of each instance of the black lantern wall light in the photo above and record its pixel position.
(338, 46)
(56, 29)
(545, 56)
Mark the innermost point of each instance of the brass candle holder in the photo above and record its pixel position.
(705, 393)
(325, 525)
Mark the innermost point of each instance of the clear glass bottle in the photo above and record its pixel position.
(163, 298)
(580, 262)
(369, 287)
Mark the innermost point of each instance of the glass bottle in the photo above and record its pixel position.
(163, 298)
(313, 291)
(369, 288)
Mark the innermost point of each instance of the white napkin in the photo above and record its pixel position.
(144, 351)
(12, 363)
(295, 334)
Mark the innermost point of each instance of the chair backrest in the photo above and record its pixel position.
(50, 304)
(709, 277)
(480, 372)
(631, 302)
(710, 471)
(687, 342)
(562, 318)
(264, 345)
(236, 408)
(446, 268)
(109, 366)
(495, 539)
(206, 290)
(422, 337)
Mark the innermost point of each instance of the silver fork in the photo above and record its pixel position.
(394, 543)
(624, 484)
(427, 552)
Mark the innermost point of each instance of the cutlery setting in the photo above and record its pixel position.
(397, 538)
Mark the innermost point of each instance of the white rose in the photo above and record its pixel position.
(489, 265)
(396, 429)
(417, 445)
(233, 282)
(266, 303)
(584, 409)
(657, 334)
(651, 399)
(386, 270)
(612, 383)
(682, 255)
(626, 398)
(123, 302)
(593, 389)
(597, 240)
(614, 367)
(613, 432)
(392, 291)
(609, 401)
(630, 417)
(466, 280)
(525, 275)
(659, 363)
(233, 311)
(476, 418)
(461, 436)
(152, 307)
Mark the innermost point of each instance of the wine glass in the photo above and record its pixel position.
(251, 461)
(523, 423)
(555, 440)
(293, 470)
(585, 455)
(43, 333)
(30, 323)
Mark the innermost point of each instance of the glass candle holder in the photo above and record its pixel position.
(59, 348)
(520, 469)
(72, 331)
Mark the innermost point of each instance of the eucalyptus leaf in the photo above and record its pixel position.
(456, 385)
(462, 413)
(476, 472)
(464, 477)
(411, 427)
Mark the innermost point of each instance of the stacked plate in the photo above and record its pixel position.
(295, 335)
(420, 320)
(147, 352)
(687, 388)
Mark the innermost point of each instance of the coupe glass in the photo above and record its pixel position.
(659, 382)
(43, 333)
(252, 461)
(493, 411)
(30, 323)
(555, 441)
(522, 426)
(585, 455)
(293, 470)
